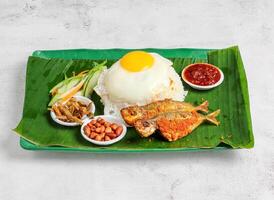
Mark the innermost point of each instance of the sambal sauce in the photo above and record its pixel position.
(202, 74)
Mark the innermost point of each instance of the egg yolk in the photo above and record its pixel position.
(137, 61)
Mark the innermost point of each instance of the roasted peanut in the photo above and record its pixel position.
(98, 138)
(119, 130)
(102, 121)
(93, 128)
(87, 130)
(107, 138)
(97, 124)
(88, 134)
(108, 130)
(112, 135)
(92, 135)
(102, 135)
(98, 130)
(99, 119)
(93, 122)
(107, 124)
(114, 126)
(103, 129)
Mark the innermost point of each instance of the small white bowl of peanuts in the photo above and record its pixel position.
(103, 130)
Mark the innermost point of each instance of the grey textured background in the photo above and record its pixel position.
(27, 25)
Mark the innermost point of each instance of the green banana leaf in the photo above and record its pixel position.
(231, 97)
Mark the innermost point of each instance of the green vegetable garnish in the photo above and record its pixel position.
(82, 83)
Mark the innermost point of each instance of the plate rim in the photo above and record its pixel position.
(25, 144)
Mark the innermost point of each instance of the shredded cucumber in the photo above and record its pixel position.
(89, 78)
(92, 82)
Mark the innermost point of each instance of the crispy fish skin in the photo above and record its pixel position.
(145, 128)
(134, 113)
(178, 125)
(174, 125)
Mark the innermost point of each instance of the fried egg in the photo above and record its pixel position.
(138, 78)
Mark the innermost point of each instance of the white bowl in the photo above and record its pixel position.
(108, 118)
(83, 100)
(200, 87)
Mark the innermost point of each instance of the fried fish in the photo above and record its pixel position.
(173, 119)
(133, 113)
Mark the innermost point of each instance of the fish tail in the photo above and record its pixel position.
(203, 107)
(212, 117)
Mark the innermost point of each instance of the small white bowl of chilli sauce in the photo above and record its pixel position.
(202, 76)
(103, 130)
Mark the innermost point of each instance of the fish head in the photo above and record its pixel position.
(131, 114)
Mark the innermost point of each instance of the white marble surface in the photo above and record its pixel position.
(27, 25)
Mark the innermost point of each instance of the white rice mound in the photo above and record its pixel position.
(174, 91)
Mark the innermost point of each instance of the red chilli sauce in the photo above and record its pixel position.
(202, 74)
